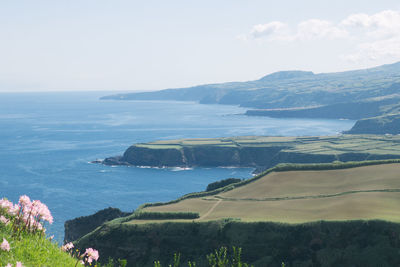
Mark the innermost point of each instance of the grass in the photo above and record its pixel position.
(32, 250)
(366, 192)
(300, 183)
(23, 239)
(160, 146)
(373, 144)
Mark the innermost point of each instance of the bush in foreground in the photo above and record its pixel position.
(219, 258)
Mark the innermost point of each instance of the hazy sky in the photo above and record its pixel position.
(151, 45)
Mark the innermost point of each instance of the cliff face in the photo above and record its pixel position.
(79, 227)
(389, 124)
(143, 156)
(207, 156)
(352, 243)
(258, 152)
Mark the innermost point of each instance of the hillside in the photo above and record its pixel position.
(260, 152)
(82, 225)
(367, 192)
(252, 214)
(389, 124)
(351, 94)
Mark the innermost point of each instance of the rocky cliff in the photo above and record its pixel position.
(257, 152)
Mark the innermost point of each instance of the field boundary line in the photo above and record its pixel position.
(310, 197)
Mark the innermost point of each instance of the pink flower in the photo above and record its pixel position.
(14, 209)
(39, 227)
(92, 254)
(8, 265)
(19, 264)
(9, 207)
(5, 204)
(25, 201)
(5, 246)
(4, 220)
(67, 246)
(41, 211)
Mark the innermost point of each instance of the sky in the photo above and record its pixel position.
(119, 45)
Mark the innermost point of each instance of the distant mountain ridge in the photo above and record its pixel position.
(282, 75)
(356, 94)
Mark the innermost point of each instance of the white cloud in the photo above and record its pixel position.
(274, 28)
(319, 29)
(357, 20)
(377, 36)
(384, 24)
(307, 30)
(373, 37)
(387, 50)
(384, 19)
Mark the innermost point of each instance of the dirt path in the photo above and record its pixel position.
(210, 210)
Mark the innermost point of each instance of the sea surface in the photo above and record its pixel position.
(48, 139)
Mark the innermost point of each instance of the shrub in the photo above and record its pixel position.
(219, 258)
(222, 183)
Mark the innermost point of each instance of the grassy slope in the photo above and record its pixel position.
(368, 192)
(33, 250)
(388, 124)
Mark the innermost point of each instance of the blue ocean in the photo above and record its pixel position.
(47, 141)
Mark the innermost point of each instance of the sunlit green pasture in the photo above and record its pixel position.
(368, 192)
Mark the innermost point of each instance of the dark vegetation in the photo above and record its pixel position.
(80, 226)
(352, 243)
(141, 215)
(144, 215)
(219, 258)
(222, 183)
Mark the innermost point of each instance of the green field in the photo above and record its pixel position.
(372, 144)
(368, 192)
